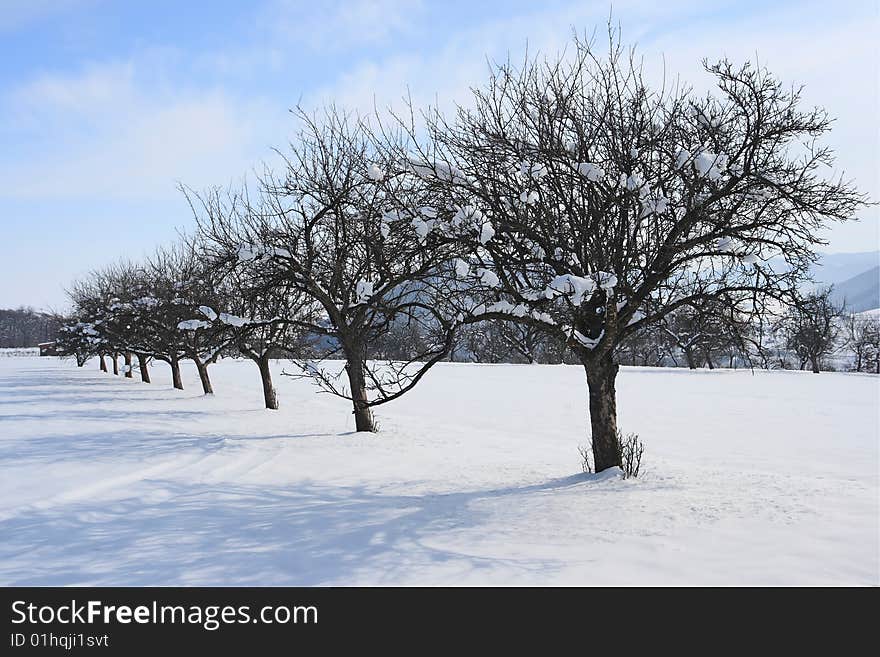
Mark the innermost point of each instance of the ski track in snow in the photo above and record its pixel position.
(748, 478)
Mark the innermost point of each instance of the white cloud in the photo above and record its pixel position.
(107, 133)
(15, 14)
(336, 25)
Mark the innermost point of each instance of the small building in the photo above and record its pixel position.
(47, 349)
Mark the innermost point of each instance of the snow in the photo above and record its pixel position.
(375, 173)
(748, 478)
(605, 280)
(192, 324)
(592, 172)
(580, 288)
(233, 320)
(532, 170)
(725, 244)
(363, 291)
(247, 252)
(682, 157)
(488, 277)
(439, 170)
(588, 342)
(635, 181)
(422, 227)
(462, 268)
(487, 232)
(18, 352)
(529, 197)
(709, 164)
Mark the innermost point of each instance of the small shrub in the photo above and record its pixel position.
(629, 452)
(586, 452)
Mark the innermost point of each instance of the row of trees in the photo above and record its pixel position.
(814, 332)
(569, 202)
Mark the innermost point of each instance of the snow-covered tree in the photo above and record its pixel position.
(186, 288)
(257, 316)
(351, 225)
(609, 204)
(75, 339)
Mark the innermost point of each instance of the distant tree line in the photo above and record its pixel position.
(26, 327)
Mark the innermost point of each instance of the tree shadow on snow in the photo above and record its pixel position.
(305, 534)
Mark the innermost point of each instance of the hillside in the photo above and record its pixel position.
(861, 292)
(835, 268)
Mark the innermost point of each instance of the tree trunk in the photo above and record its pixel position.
(709, 360)
(116, 364)
(128, 369)
(203, 376)
(363, 416)
(269, 395)
(175, 373)
(815, 363)
(601, 374)
(145, 371)
(103, 363)
(689, 355)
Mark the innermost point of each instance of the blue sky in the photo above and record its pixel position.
(105, 105)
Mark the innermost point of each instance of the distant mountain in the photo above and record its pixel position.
(855, 277)
(836, 268)
(861, 292)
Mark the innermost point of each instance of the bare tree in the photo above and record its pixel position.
(812, 326)
(185, 281)
(862, 335)
(650, 347)
(703, 330)
(608, 204)
(353, 228)
(258, 317)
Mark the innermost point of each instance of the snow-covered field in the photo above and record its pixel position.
(748, 478)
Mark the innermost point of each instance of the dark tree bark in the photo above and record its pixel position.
(363, 416)
(175, 373)
(207, 388)
(103, 363)
(116, 364)
(128, 369)
(814, 361)
(269, 395)
(689, 355)
(145, 371)
(709, 360)
(601, 375)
